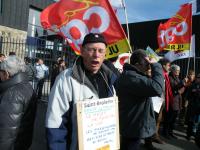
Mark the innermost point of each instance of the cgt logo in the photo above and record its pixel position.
(167, 36)
(80, 26)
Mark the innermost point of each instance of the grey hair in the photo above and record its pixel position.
(13, 65)
(174, 67)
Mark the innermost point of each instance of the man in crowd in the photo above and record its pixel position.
(134, 90)
(30, 70)
(2, 57)
(178, 87)
(168, 95)
(88, 78)
(41, 74)
(17, 106)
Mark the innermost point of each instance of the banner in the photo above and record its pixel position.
(75, 18)
(176, 32)
(175, 55)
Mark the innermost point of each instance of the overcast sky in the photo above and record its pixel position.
(146, 10)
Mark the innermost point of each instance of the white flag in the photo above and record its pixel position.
(116, 4)
(195, 6)
(175, 55)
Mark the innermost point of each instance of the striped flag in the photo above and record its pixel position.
(195, 6)
(175, 55)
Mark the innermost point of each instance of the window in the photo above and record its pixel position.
(1, 6)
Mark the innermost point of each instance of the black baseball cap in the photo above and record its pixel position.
(94, 38)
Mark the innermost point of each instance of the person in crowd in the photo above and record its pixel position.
(17, 106)
(59, 67)
(193, 108)
(2, 57)
(41, 74)
(135, 89)
(190, 79)
(177, 89)
(88, 78)
(156, 137)
(168, 96)
(30, 70)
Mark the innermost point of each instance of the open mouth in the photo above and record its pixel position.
(94, 63)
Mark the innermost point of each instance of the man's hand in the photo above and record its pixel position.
(151, 60)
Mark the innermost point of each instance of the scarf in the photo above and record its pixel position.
(168, 91)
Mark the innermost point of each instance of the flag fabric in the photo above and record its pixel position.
(176, 32)
(175, 55)
(150, 52)
(74, 19)
(198, 6)
(116, 4)
(121, 60)
(195, 6)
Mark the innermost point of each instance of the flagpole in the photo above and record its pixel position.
(194, 63)
(188, 65)
(127, 27)
(194, 51)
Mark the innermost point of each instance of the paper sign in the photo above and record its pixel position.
(98, 124)
(157, 103)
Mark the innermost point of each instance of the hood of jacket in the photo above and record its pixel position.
(128, 67)
(16, 79)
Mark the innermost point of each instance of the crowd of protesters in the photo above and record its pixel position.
(91, 76)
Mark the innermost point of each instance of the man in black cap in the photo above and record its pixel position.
(135, 89)
(88, 78)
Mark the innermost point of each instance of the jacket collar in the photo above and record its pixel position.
(16, 79)
(79, 73)
(128, 67)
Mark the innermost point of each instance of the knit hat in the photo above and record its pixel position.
(138, 56)
(94, 38)
(174, 68)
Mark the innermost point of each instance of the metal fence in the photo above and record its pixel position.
(34, 48)
(49, 51)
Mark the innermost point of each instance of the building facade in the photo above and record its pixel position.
(17, 16)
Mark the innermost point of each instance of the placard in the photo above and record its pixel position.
(98, 124)
(157, 103)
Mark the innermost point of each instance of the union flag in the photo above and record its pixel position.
(75, 18)
(176, 33)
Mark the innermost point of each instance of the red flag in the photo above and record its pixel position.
(176, 33)
(75, 19)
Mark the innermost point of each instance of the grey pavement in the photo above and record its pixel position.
(39, 141)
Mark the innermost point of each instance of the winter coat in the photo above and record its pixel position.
(176, 85)
(71, 85)
(31, 71)
(134, 90)
(17, 113)
(194, 100)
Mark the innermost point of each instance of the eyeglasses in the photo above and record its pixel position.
(92, 50)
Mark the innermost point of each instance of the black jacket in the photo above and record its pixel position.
(31, 71)
(134, 89)
(17, 113)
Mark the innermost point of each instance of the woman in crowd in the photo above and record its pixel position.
(17, 106)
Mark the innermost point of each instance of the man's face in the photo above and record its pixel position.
(191, 76)
(40, 61)
(93, 56)
(166, 67)
(2, 58)
(176, 72)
